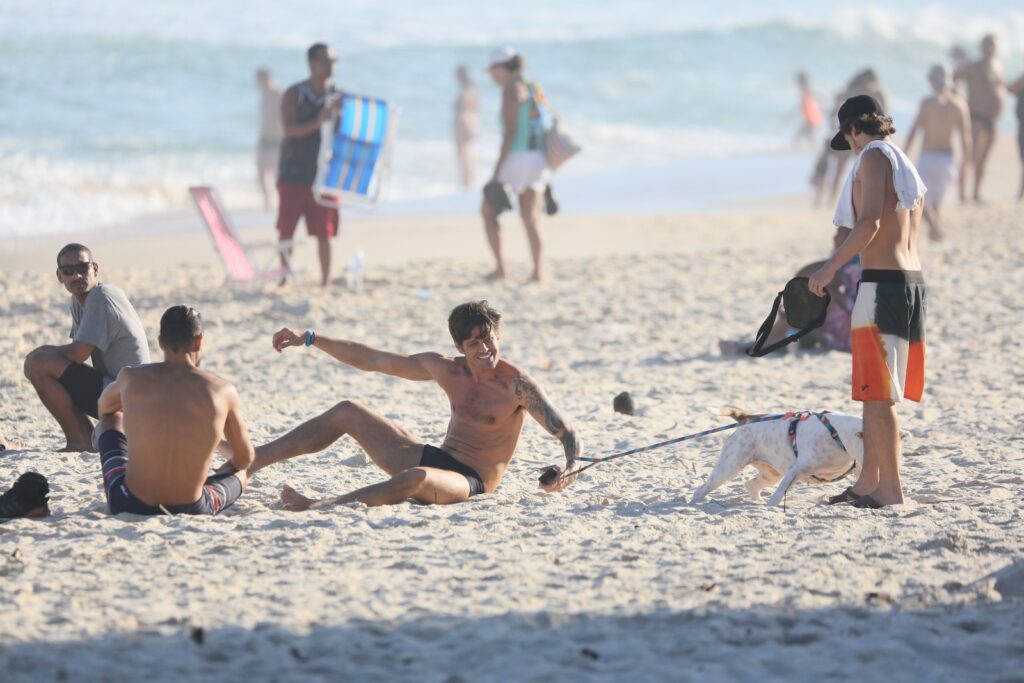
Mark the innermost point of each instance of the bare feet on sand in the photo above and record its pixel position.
(293, 500)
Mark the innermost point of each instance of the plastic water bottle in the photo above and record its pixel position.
(355, 270)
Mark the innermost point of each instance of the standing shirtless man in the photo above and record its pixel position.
(489, 399)
(985, 94)
(160, 424)
(940, 116)
(887, 336)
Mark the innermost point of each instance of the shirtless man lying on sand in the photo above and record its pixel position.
(489, 399)
(160, 424)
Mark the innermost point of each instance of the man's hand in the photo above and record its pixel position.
(284, 338)
(553, 477)
(821, 279)
(331, 108)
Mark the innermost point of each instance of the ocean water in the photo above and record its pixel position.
(111, 108)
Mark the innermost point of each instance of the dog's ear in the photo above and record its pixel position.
(860, 435)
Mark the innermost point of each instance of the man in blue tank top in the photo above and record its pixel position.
(305, 107)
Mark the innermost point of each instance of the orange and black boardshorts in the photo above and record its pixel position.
(887, 336)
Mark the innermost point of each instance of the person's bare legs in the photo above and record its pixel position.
(466, 165)
(286, 258)
(881, 455)
(493, 230)
(323, 249)
(389, 446)
(529, 209)
(982, 146)
(43, 367)
(933, 218)
(261, 180)
(425, 484)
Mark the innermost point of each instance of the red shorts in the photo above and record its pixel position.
(296, 201)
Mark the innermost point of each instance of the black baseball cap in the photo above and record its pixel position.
(858, 105)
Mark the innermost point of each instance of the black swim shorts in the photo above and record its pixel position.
(85, 384)
(219, 491)
(986, 122)
(438, 459)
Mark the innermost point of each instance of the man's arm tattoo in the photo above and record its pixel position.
(530, 395)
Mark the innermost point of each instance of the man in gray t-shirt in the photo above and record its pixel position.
(104, 327)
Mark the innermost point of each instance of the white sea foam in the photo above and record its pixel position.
(114, 107)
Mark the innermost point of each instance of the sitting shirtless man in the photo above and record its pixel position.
(489, 399)
(160, 424)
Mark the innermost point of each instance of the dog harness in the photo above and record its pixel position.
(795, 422)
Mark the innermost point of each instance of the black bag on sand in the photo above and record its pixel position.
(805, 311)
(497, 195)
(28, 496)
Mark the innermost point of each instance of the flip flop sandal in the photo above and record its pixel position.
(847, 496)
(867, 502)
(27, 498)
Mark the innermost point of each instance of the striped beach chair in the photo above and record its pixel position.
(355, 157)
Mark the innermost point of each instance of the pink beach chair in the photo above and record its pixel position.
(233, 252)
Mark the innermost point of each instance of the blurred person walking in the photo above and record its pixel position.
(268, 145)
(985, 95)
(521, 164)
(940, 116)
(467, 125)
(1017, 88)
(810, 112)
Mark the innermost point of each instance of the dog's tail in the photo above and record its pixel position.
(740, 415)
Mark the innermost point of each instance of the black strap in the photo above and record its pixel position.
(758, 349)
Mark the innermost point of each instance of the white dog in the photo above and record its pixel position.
(766, 447)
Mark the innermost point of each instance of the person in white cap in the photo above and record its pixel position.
(521, 164)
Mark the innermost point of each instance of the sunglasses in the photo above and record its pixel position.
(82, 268)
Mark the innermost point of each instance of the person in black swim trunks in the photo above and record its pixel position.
(489, 397)
(986, 90)
(104, 329)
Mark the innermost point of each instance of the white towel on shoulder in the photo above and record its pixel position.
(909, 187)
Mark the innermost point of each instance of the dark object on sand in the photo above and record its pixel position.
(27, 498)
(623, 403)
(550, 203)
(550, 475)
(496, 194)
(805, 312)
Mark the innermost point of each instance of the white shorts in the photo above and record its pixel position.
(523, 170)
(938, 171)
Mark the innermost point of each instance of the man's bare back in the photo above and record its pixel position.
(174, 418)
(161, 423)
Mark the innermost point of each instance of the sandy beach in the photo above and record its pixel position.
(619, 576)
